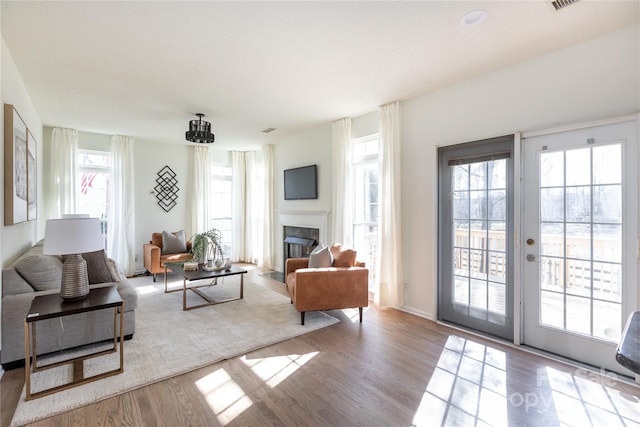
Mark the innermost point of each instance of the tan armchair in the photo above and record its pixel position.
(154, 259)
(345, 285)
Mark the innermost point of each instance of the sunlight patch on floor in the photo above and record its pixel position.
(585, 397)
(226, 399)
(468, 387)
(354, 314)
(472, 385)
(146, 290)
(274, 370)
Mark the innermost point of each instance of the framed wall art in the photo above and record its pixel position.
(15, 167)
(32, 176)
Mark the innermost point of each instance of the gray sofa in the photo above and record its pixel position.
(35, 274)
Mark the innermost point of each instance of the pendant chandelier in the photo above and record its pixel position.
(199, 131)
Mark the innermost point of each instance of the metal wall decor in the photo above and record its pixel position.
(166, 189)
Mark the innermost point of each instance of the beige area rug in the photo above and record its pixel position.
(169, 341)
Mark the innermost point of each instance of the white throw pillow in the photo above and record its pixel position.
(320, 257)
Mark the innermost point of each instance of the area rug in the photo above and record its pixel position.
(169, 341)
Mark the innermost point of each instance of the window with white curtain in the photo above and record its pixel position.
(220, 204)
(94, 174)
(364, 177)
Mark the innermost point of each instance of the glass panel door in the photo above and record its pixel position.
(574, 281)
(476, 217)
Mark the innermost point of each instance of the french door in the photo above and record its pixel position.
(579, 240)
(475, 243)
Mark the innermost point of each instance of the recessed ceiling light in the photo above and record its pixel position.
(473, 18)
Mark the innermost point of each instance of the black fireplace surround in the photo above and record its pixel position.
(298, 242)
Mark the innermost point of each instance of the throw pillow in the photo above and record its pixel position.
(320, 257)
(43, 272)
(342, 256)
(174, 243)
(115, 271)
(98, 268)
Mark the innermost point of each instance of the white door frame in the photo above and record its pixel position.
(632, 300)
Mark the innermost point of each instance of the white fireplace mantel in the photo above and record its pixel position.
(311, 219)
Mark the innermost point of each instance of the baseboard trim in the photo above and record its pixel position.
(415, 312)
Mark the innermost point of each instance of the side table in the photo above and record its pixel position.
(52, 307)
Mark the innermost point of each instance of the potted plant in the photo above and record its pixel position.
(205, 245)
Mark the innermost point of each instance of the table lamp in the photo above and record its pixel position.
(73, 236)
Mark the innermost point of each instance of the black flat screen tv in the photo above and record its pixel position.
(301, 183)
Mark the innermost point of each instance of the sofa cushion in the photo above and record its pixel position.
(174, 243)
(320, 257)
(43, 272)
(98, 268)
(342, 256)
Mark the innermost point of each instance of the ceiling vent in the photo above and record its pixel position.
(268, 130)
(560, 4)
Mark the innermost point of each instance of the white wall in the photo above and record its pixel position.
(17, 238)
(150, 158)
(594, 80)
(306, 148)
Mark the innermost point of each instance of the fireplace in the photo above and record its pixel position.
(316, 221)
(299, 242)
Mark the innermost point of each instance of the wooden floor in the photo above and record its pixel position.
(394, 369)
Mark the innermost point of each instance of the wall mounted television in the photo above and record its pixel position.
(301, 183)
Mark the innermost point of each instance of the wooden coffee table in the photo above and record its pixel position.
(199, 275)
(53, 306)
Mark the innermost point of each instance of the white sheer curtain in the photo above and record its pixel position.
(390, 241)
(238, 197)
(251, 237)
(63, 181)
(340, 208)
(200, 199)
(121, 215)
(268, 239)
(252, 207)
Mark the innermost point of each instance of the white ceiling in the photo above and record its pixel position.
(144, 68)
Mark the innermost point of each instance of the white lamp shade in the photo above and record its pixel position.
(72, 236)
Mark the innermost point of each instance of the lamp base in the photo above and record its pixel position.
(75, 282)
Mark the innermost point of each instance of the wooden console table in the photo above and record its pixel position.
(52, 307)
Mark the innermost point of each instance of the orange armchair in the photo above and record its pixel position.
(344, 285)
(154, 259)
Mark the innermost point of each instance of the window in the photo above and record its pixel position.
(364, 162)
(220, 204)
(94, 170)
